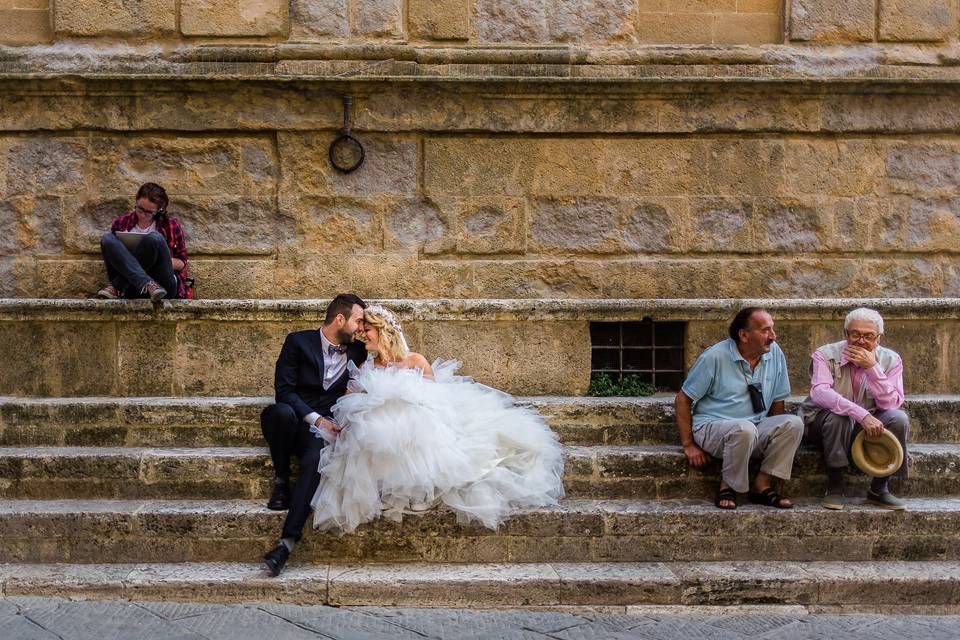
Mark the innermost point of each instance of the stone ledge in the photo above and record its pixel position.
(486, 310)
(865, 64)
(200, 422)
(855, 586)
(606, 530)
(229, 347)
(210, 422)
(599, 472)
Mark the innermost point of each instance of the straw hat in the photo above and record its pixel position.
(878, 456)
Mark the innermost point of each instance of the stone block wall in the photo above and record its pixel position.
(598, 22)
(475, 21)
(593, 22)
(25, 22)
(841, 21)
(823, 162)
(513, 215)
(228, 348)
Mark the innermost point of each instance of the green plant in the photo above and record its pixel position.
(634, 386)
(602, 385)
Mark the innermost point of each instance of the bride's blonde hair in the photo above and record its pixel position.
(392, 347)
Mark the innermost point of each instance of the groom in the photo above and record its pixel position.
(311, 376)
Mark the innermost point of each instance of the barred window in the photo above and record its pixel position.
(652, 351)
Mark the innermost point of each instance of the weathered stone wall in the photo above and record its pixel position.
(823, 163)
(599, 22)
(466, 21)
(715, 195)
(228, 348)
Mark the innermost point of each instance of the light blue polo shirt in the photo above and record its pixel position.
(717, 383)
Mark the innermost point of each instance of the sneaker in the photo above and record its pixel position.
(109, 292)
(154, 290)
(886, 500)
(833, 499)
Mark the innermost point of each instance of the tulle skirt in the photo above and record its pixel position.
(409, 444)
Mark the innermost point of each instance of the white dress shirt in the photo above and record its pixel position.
(334, 364)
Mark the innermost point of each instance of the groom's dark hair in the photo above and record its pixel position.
(343, 305)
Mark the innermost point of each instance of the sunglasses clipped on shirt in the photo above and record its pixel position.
(755, 389)
(756, 397)
(139, 209)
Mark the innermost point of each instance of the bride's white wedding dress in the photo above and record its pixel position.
(409, 443)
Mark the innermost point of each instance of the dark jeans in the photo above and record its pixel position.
(834, 434)
(289, 436)
(130, 271)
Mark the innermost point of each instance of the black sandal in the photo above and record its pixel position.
(726, 494)
(770, 498)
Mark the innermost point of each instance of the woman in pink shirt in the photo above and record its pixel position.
(855, 385)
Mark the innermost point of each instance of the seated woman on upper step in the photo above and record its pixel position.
(144, 252)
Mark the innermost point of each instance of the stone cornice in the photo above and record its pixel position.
(485, 310)
(904, 66)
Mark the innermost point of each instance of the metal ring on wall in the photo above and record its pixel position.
(346, 153)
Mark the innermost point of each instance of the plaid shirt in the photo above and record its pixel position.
(173, 234)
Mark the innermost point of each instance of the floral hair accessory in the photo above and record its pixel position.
(391, 319)
(387, 315)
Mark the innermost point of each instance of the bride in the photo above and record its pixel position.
(413, 436)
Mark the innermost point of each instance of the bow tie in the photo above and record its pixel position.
(334, 349)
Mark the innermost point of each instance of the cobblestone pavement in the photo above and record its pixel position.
(54, 618)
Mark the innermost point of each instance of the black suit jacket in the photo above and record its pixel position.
(299, 375)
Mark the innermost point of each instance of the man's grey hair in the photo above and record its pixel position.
(868, 315)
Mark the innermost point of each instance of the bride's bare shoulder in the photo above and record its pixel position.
(415, 360)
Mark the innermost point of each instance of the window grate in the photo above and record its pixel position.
(652, 351)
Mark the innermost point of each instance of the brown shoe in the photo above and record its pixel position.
(155, 291)
(109, 292)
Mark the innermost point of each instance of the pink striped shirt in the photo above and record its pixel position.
(886, 388)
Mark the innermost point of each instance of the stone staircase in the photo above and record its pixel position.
(162, 497)
(214, 462)
(88, 510)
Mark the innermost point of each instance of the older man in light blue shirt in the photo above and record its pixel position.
(731, 406)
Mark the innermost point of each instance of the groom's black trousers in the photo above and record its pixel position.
(287, 437)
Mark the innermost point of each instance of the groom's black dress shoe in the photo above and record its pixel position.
(276, 558)
(280, 498)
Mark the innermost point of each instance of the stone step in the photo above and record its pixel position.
(92, 531)
(651, 420)
(526, 347)
(639, 472)
(662, 472)
(213, 422)
(917, 586)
